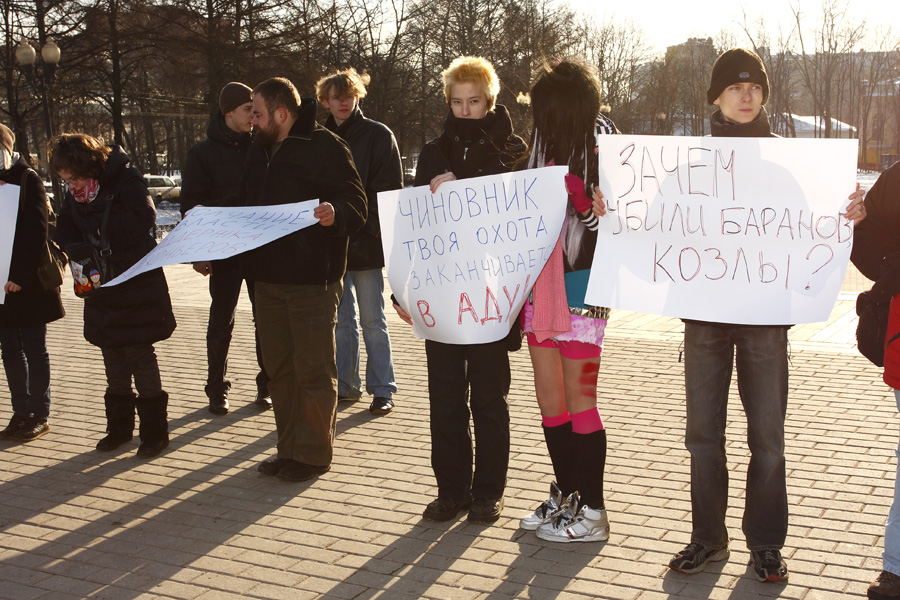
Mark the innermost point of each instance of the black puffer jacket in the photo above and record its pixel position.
(471, 148)
(138, 311)
(213, 168)
(212, 172)
(310, 163)
(32, 305)
(377, 161)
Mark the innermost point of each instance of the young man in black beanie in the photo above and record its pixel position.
(211, 177)
(739, 87)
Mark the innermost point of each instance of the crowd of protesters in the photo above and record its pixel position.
(312, 292)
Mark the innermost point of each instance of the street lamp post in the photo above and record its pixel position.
(40, 78)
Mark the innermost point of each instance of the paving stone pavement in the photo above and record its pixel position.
(199, 522)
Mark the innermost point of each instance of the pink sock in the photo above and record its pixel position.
(557, 420)
(587, 421)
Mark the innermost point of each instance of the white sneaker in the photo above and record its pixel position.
(552, 507)
(581, 524)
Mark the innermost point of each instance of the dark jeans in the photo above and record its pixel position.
(27, 366)
(132, 361)
(296, 327)
(225, 289)
(762, 377)
(460, 376)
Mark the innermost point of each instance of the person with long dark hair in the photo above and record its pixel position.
(28, 307)
(565, 335)
(477, 140)
(107, 205)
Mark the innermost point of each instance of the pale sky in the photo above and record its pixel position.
(669, 22)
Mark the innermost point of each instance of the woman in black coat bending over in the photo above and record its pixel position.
(28, 307)
(127, 319)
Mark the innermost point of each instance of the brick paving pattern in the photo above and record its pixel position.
(199, 522)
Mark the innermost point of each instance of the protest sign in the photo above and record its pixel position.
(463, 260)
(212, 233)
(9, 212)
(733, 230)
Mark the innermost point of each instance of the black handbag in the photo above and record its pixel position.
(52, 262)
(871, 330)
(89, 262)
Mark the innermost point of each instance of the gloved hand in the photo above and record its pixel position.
(577, 195)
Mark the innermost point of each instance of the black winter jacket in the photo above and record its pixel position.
(32, 305)
(138, 311)
(212, 172)
(377, 161)
(471, 148)
(876, 240)
(213, 168)
(310, 163)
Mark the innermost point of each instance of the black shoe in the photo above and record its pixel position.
(263, 401)
(348, 398)
(294, 470)
(32, 429)
(113, 440)
(14, 425)
(769, 565)
(485, 511)
(271, 465)
(444, 509)
(381, 406)
(695, 556)
(152, 448)
(218, 405)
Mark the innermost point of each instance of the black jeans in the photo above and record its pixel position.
(460, 376)
(138, 362)
(225, 289)
(762, 379)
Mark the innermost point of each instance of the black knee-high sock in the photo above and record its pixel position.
(590, 450)
(560, 445)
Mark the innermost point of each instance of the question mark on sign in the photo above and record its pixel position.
(830, 258)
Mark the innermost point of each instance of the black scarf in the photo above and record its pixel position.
(758, 127)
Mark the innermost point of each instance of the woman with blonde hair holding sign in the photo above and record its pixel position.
(565, 335)
(477, 140)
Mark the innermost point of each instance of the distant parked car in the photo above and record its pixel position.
(162, 188)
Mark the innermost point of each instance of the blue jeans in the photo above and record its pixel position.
(762, 377)
(365, 288)
(891, 555)
(27, 366)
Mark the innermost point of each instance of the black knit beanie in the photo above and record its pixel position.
(234, 94)
(737, 66)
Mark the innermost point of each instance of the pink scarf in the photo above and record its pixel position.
(551, 307)
(87, 193)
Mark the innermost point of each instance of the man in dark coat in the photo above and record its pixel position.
(298, 277)
(212, 177)
(377, 161)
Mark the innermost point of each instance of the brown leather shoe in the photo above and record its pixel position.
(885, 587)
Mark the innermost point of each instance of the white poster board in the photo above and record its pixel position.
(213, 233)
(732, 230)
(463, 260)
(9, 212)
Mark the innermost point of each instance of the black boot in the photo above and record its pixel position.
(591, 451)
(119, 421)
(561, 447)
(154, 427)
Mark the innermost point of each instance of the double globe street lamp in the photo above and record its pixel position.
(39, 77)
